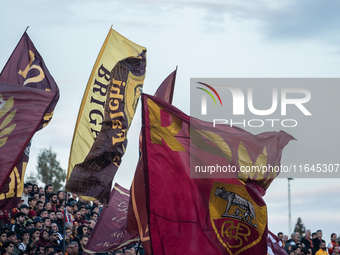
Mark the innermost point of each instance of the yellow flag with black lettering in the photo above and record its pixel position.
(105, 114)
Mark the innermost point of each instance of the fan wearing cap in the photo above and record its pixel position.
(37, 223)
(12, 237)
(25, 209)
(34, 239)
(19, 223)
(54, 239)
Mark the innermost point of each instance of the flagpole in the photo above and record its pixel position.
(64, 227)
(26, 28)
(138, 247)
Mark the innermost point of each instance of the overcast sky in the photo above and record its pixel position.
(204, 39)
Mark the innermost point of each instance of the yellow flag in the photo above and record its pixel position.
(91, 113)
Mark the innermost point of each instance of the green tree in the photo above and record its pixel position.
(49, 170)
(299, 227)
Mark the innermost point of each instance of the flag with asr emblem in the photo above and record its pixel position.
(189, 213)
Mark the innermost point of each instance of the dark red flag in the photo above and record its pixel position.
(203, 215)
(138, 221)
(26, 68)
(275, 245)
(93, 177)
(21, 111)
(109, 233)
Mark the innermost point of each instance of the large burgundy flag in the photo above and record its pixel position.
(109, 233)
(21, 112)
(203, 215)
(25, 69)
(137, 221)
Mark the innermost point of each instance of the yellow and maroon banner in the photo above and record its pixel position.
(91, 113)
(93, 177)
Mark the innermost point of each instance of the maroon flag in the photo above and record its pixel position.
(26, 68)
(93, 177)
(138, 221)
(166, 90)
(109, 233)
(275, 245)
(21, 112)
(203, 215)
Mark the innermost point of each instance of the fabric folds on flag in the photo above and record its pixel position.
(275, 245)
(202, 215)
(91, 113)
(21, 112)
(137, 221)
(93, 177)
(24, 72)
(109, 233)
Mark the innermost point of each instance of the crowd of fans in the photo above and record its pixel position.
(310, 243)
(45, 223)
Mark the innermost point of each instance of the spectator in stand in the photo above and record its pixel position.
(69, 216)
(9, 248)
(280, 236)
(35, 188)
(322, 248)
(92, 224)
(332, 243)
(82, 242)
(29, 225)
(37, 222)
(308, 242)
(82, 212)
(60, 195)
(51, 215)
(49, 249)
(68, 235)
(95, 209)
(42, 197)
(54, 201)
(44, 238)
(12, 237)
(296, 240)
(87, 212)
(40, 206)
(48, 190)
(46, 224)
(317, 240)
(43, 213)
(335, 250)
(94, 216)
(54, 240)
(77, 218)
(3, 237)
(32, 203)
(60, 207)
(70, 248)
(48, 206)
(34, 239)
(41, 190)
(59, 221)
(25, 194)
(18, 227)
(25, 240)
